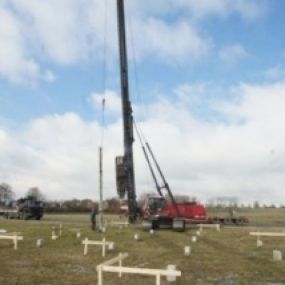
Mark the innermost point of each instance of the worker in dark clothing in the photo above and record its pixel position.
(94, 212)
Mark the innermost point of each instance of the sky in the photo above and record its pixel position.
(207, 84)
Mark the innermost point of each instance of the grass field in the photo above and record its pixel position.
(221, 258)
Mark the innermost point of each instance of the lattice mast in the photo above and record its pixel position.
(128, 185)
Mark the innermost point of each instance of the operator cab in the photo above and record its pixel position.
(153, 205)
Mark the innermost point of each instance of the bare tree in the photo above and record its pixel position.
(256, 205)
(36, 193)
(6, 192)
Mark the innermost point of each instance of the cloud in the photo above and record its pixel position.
(112, 105)
(171, 42)
(36, 33)
(249, 10)
(266, 99)
(54, 27)
(191, 94)
(15, 63)
(59, 153)
(244, 160)
(49, 76)
(233, 54)
(275, 73)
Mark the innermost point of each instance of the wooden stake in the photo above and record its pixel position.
(100, 275)
(85, 246)
(104, 247)
(16, 242)
(120, 264)
(157, 279)
(60, 230)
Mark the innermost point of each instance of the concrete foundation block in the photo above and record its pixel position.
(170, 277)
(277, 255)
(187, 250)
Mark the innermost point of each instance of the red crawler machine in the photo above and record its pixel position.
(157, 205)
(156, 211)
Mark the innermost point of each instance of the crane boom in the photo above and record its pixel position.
(165, 184)
(152, 171)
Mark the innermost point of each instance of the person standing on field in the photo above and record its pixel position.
(94, 213)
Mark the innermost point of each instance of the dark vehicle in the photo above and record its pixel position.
(24, 208)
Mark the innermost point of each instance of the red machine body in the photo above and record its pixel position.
(158, 213)
(192, 211)
(157, 207)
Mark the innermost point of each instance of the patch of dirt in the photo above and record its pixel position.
(230, 279)
(22, 263)
(76, 268)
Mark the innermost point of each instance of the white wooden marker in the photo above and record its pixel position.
(213, 226)
(108, 267)
(60, 230)
(277, 255)
(187, 250)
(111, 246)
(171, 277)
(39, 242)
(102, 243)
(14, 237)
(194, 239)
(259, 243)
(54, 236)
(120, 224)
(267, 234)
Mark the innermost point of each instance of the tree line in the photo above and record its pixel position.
(7, 194)
(112, 205)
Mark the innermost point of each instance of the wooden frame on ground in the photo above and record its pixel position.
(119, 223)
(267, 234)
(15, 237)
(213, 226)
(102, 243)
(108, 266)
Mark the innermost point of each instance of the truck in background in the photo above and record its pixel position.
(24, 209)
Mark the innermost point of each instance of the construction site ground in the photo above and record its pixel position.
(227, 257)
